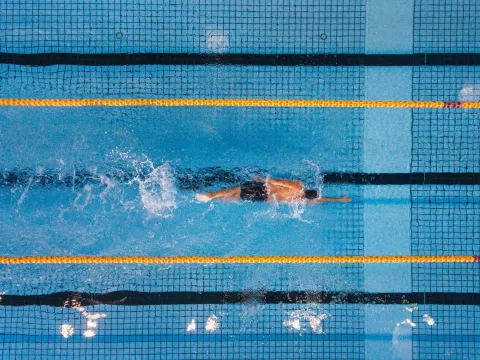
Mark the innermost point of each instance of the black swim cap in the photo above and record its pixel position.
(310, 194)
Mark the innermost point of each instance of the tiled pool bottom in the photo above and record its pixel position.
(226, 312)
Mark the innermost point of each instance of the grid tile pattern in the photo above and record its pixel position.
(264, 331)
(455, 334)
(446, 140)
(46, 279)
(446, 26)
(281, 26)
(182, 81)
(446, 83)
(243, 331)
(446, 220)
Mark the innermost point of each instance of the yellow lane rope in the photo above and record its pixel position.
(234, 259)
(243, 103)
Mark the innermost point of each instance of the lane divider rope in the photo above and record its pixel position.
(11, 260)
(408, 104)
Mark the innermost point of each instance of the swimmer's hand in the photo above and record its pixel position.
(345, 199)
(203, 198)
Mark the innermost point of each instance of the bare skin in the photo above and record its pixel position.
(278, 190)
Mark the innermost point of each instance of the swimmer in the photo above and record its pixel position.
(274, 190)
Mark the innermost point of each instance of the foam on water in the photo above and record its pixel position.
(158, 192)
(428, 319)
(25, 192)
(312, 320)
(281, 211)
(66, 330)
(470, 92)
(407, 322)
(83, 198)
(192, 326)
(156, 184)
(411, 308)
(108, 183)
(212, 324)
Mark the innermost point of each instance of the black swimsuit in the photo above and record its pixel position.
(254, 191)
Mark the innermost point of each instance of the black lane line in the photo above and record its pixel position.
(135, 298)
(403, 178)
(48, 59)
(188, 179)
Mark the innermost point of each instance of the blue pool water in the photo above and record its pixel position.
(150, 216)
(123, 180)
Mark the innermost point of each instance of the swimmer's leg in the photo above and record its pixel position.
(229, 194)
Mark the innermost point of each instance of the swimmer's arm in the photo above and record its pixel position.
(290, 184)
(324, 199)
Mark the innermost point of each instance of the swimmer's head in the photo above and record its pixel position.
(310, 194)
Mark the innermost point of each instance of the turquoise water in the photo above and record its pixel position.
(148, 214)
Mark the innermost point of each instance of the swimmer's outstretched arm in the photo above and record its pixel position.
(290, 184)
(324, 199)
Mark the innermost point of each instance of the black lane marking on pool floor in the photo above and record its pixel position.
(188, 179)
(135, 298)
(48, 59)
(403, 178)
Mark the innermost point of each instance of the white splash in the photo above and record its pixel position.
(293, 324)
(94, 316)
(110, 184)
(408, 322)
(25, 192)
(157, 191)
(86, 194)
(298, 209)
(312, 318)
(91, 318)
(212, 324)
(428, 319)
(91, 324)
(89, 333)
(470, 93)
(276, 210)
(318, 176)
(192, 326)
(210, 208)
(316, 323)
(217, 40)
(411, 308)
(66, 330)
(156, 184)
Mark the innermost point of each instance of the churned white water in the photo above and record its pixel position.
(157, 192)
(428, 319)
(212, 324)
(302, 320)
(156, 187)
